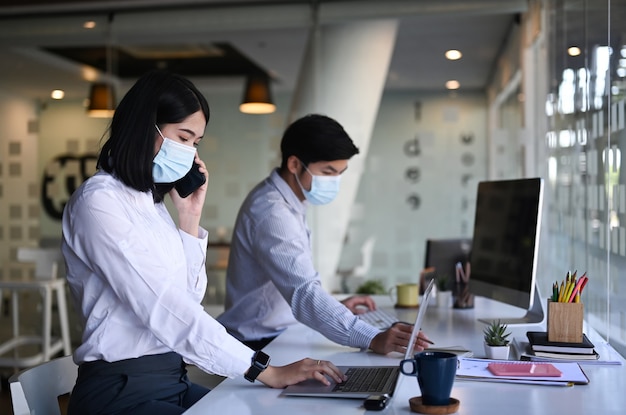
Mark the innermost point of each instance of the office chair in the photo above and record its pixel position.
(36, 390)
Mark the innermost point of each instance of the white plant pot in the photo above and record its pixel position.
(444, 298)
(497, 352)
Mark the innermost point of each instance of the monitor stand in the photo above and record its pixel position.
(534, 315)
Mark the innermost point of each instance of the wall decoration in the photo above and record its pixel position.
(15, 170)
(412, 147)
(15, 148)
(414, 201)
(15, 212)
(61, 178)
(466, 178)
(467, 138)
(412, 174)
(467, 159)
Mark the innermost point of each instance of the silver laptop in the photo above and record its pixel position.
(364, 381)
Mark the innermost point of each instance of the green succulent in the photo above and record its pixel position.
(371, 287)
(495, 334)
(442, 282)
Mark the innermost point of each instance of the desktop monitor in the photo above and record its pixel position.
(505, 245)
(444, 254)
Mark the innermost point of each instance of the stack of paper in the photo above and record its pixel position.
(478, 369)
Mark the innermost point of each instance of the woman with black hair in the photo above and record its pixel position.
(138, 277)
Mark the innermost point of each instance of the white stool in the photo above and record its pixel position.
(46, 285)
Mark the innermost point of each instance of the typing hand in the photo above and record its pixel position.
(283, 376)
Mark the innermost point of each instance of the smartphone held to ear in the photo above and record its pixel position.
(190, 182)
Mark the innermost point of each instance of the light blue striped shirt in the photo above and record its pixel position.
(271, 281)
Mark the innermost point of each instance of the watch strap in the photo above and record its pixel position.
(252, 373)
(260, 361)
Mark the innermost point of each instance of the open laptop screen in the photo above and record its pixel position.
(417, 326)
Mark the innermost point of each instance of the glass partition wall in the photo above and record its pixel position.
(583, 148)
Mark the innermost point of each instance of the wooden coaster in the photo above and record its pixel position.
(417, 406)
(406, 306)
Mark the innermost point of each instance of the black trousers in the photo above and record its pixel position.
(150, 385)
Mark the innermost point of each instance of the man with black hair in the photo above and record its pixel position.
(271, 281)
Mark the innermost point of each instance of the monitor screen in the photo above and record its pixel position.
(444, 254)
(505, 244)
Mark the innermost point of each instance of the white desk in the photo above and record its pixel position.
(605, 394)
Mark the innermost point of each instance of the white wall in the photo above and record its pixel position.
(422, 133)
(66, 130)
(240, 150)
(19, 208)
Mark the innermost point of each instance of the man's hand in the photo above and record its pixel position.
(359, 304)
(396, 339)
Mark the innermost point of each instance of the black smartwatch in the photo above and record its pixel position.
(260, 362)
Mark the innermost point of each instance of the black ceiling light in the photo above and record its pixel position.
(257, 96)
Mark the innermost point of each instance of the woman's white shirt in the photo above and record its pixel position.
(138, 281)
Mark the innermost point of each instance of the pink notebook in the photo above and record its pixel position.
(524, 369)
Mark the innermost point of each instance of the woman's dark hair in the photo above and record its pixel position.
(314, 138)
(157, 98)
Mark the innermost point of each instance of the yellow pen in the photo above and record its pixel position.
(561, 293)
(563, 296)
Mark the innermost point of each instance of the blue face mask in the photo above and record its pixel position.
(173, 161)
(324, 189)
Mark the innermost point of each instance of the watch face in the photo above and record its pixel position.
(262, 358)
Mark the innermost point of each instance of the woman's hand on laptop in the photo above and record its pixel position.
(396, 338)
(296, 372)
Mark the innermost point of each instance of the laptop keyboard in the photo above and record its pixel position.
(379, 318)
(366, 379)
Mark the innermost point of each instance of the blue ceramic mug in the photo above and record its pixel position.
(435, 372)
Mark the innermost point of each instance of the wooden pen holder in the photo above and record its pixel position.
(565, 322)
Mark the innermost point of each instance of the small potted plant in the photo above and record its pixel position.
(371, 287)
(496, 340)
(444, 295)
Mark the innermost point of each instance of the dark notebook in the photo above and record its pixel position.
(567, 356)
(539, 343)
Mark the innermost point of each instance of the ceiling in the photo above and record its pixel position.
(41, 42)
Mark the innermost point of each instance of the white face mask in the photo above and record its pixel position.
(173, 161)
(324, 189)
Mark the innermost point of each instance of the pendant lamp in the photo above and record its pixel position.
(102, 94)
(257, 97)
(101, 100)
